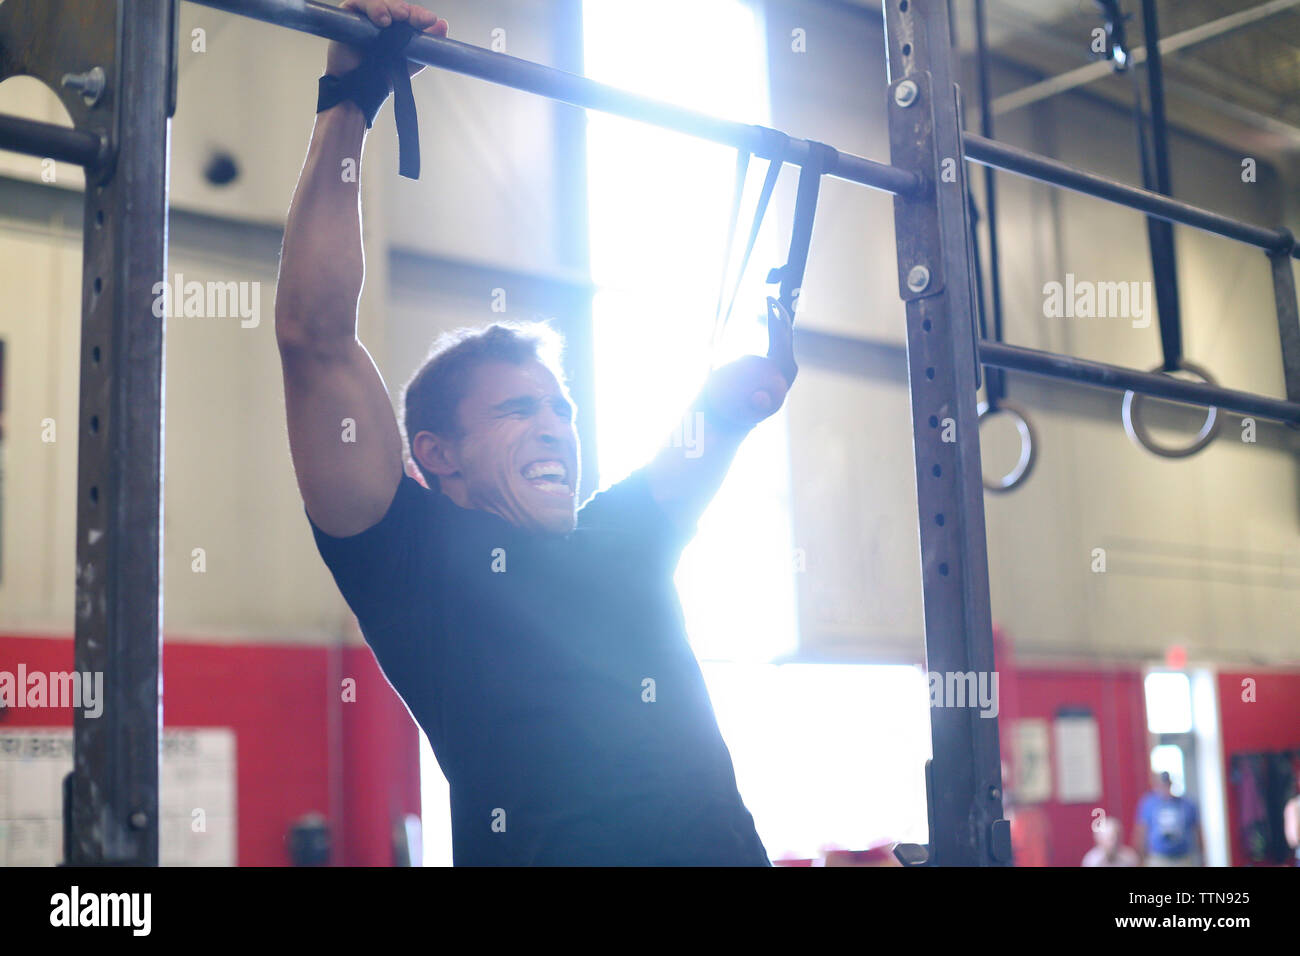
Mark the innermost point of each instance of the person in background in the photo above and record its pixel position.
(1291, 822)
(1110, 849)
(1168, 831)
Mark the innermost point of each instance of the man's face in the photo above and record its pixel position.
(518, 457)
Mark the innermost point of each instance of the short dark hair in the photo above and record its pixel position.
(431, 399)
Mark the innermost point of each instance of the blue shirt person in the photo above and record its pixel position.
(1168, 827)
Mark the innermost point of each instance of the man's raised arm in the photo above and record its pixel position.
(685, 475)
(343, 435)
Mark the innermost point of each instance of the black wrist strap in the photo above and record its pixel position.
(382, 72)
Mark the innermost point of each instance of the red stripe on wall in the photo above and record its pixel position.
(278, 700)
(1063, 831)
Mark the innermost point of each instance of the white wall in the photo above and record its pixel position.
(1200, 552)
(487, 199)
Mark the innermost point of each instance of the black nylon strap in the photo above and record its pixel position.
(777, 143)
(738, 193)
(1161, 232)
(382, 72)
(1160, 239)
(764, 198)
(820, 158)
(366, 88)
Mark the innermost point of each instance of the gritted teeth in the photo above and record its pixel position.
(550, 470)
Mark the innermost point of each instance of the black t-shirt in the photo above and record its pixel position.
(553, 677)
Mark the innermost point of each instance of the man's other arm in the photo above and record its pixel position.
(692, 465)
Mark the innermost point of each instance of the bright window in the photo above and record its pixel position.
(1168, 758)
(435, 808)
(1169, 702)
(827, 756)
(659, 204)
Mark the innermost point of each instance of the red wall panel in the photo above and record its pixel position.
(1115, 698)
(284, 704)
(1269, 722)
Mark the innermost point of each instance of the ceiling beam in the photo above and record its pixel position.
(1170, 44)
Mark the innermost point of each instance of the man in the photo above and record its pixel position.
(1110, 849)
(1168, 831)
(541, 647)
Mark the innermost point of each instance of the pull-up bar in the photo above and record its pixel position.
(333, 23)
(320, 19)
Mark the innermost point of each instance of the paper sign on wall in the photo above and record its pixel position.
(1078, 758)
(196, 794)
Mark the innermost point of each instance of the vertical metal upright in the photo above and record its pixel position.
(120, 453)
(936, 278)
(112, 65)
(1288, 314)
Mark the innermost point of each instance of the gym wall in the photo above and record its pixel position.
(1198, 552)
(230, 487)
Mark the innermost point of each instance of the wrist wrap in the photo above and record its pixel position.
(383, 71)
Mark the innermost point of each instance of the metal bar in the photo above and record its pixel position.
(964, 775)
(49, 141)
(1020, 161)
(1084, 75)
(848, 354)
(996, 386)
(333, 23)
(1120, 379)
(1288, 322)
(120, 452)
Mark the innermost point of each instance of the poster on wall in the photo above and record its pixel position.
(196, 796)
(1078, 757)
(1033, 770)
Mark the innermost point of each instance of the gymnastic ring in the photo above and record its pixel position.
(1138, 433)
(1028, 446)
